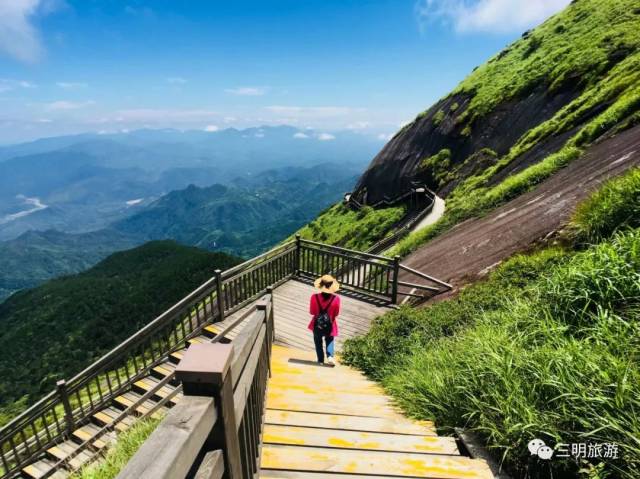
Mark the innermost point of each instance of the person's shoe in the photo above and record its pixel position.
(331, 361)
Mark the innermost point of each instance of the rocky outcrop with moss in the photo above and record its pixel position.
(564, 83)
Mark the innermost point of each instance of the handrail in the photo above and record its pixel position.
(426, 276)
(390, 201)
(403, 231)
(218, 424)
(54, 416)
(345, 250)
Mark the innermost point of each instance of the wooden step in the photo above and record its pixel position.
(344, 461)
(39, 468)
(130, 398)
(148, 383)
(89, 431)
(163, 369)
(64, 450)
(108, 415)
(176, 357)
(336, 438)
(318, 406)
(349, 423)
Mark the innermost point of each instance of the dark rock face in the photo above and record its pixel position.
(399, 162)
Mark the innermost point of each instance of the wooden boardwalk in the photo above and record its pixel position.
(291, 306)
(333, 423)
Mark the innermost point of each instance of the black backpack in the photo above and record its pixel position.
(323, 323)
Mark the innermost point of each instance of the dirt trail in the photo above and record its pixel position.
(475, 246)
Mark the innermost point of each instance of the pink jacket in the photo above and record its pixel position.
(334, 311)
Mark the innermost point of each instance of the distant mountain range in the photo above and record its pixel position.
(85, 182)
(64, 210)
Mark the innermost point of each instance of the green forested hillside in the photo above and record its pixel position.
(38, 256)
(245, 218)
(55, 330)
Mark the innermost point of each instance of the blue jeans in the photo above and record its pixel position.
(317, 339)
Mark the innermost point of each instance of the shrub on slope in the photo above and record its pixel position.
(616, 205)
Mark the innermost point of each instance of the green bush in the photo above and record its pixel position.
(614, 206)
(341, 226)
(119, 454)
(547, 347)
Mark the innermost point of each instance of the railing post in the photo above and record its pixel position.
(268, 320)
(219, 294)
(61, 387)
(297, 259)
(205, 370)
(394, 286)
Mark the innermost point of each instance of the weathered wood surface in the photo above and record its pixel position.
(333, 423)
(291, 306)
(188, 425)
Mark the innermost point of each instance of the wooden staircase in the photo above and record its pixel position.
(66, 451)
(333, 423)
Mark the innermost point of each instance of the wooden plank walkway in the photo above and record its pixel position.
(291, 306)
(333, 423)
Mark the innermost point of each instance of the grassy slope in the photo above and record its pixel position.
(76, 319)
(121, 452)
(547, 347)
(595, 43)
(339, 225)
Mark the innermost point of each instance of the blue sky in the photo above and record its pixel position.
(68, 66)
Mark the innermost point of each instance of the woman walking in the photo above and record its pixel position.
(324, 308)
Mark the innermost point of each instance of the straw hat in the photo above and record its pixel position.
(326, 284)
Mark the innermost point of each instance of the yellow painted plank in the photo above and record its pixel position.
(280, 385)
(302, 458)
(312, 436)
(355, 423)
(32, 471)
(337, 399)
(323, 407)
(85, 436)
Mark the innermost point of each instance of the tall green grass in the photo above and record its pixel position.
(615, 205)
(121, 452)
(548, 347)
(341, 226)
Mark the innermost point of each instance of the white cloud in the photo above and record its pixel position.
(211, 128)
(259, 135)
(61, 105)
(18, 36)
(312, 112)
(43, 120)
(154, 115)
(230, 119)
(300, 135)
(68, 85)
(177, 80)
(7, 84)
(384, 136)
(359, 125)
(247, 91)
(326, 137)
(493, 16)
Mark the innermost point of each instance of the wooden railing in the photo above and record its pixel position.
(215, 430)
(73, 402)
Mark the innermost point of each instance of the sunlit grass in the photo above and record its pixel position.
(121, 452)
